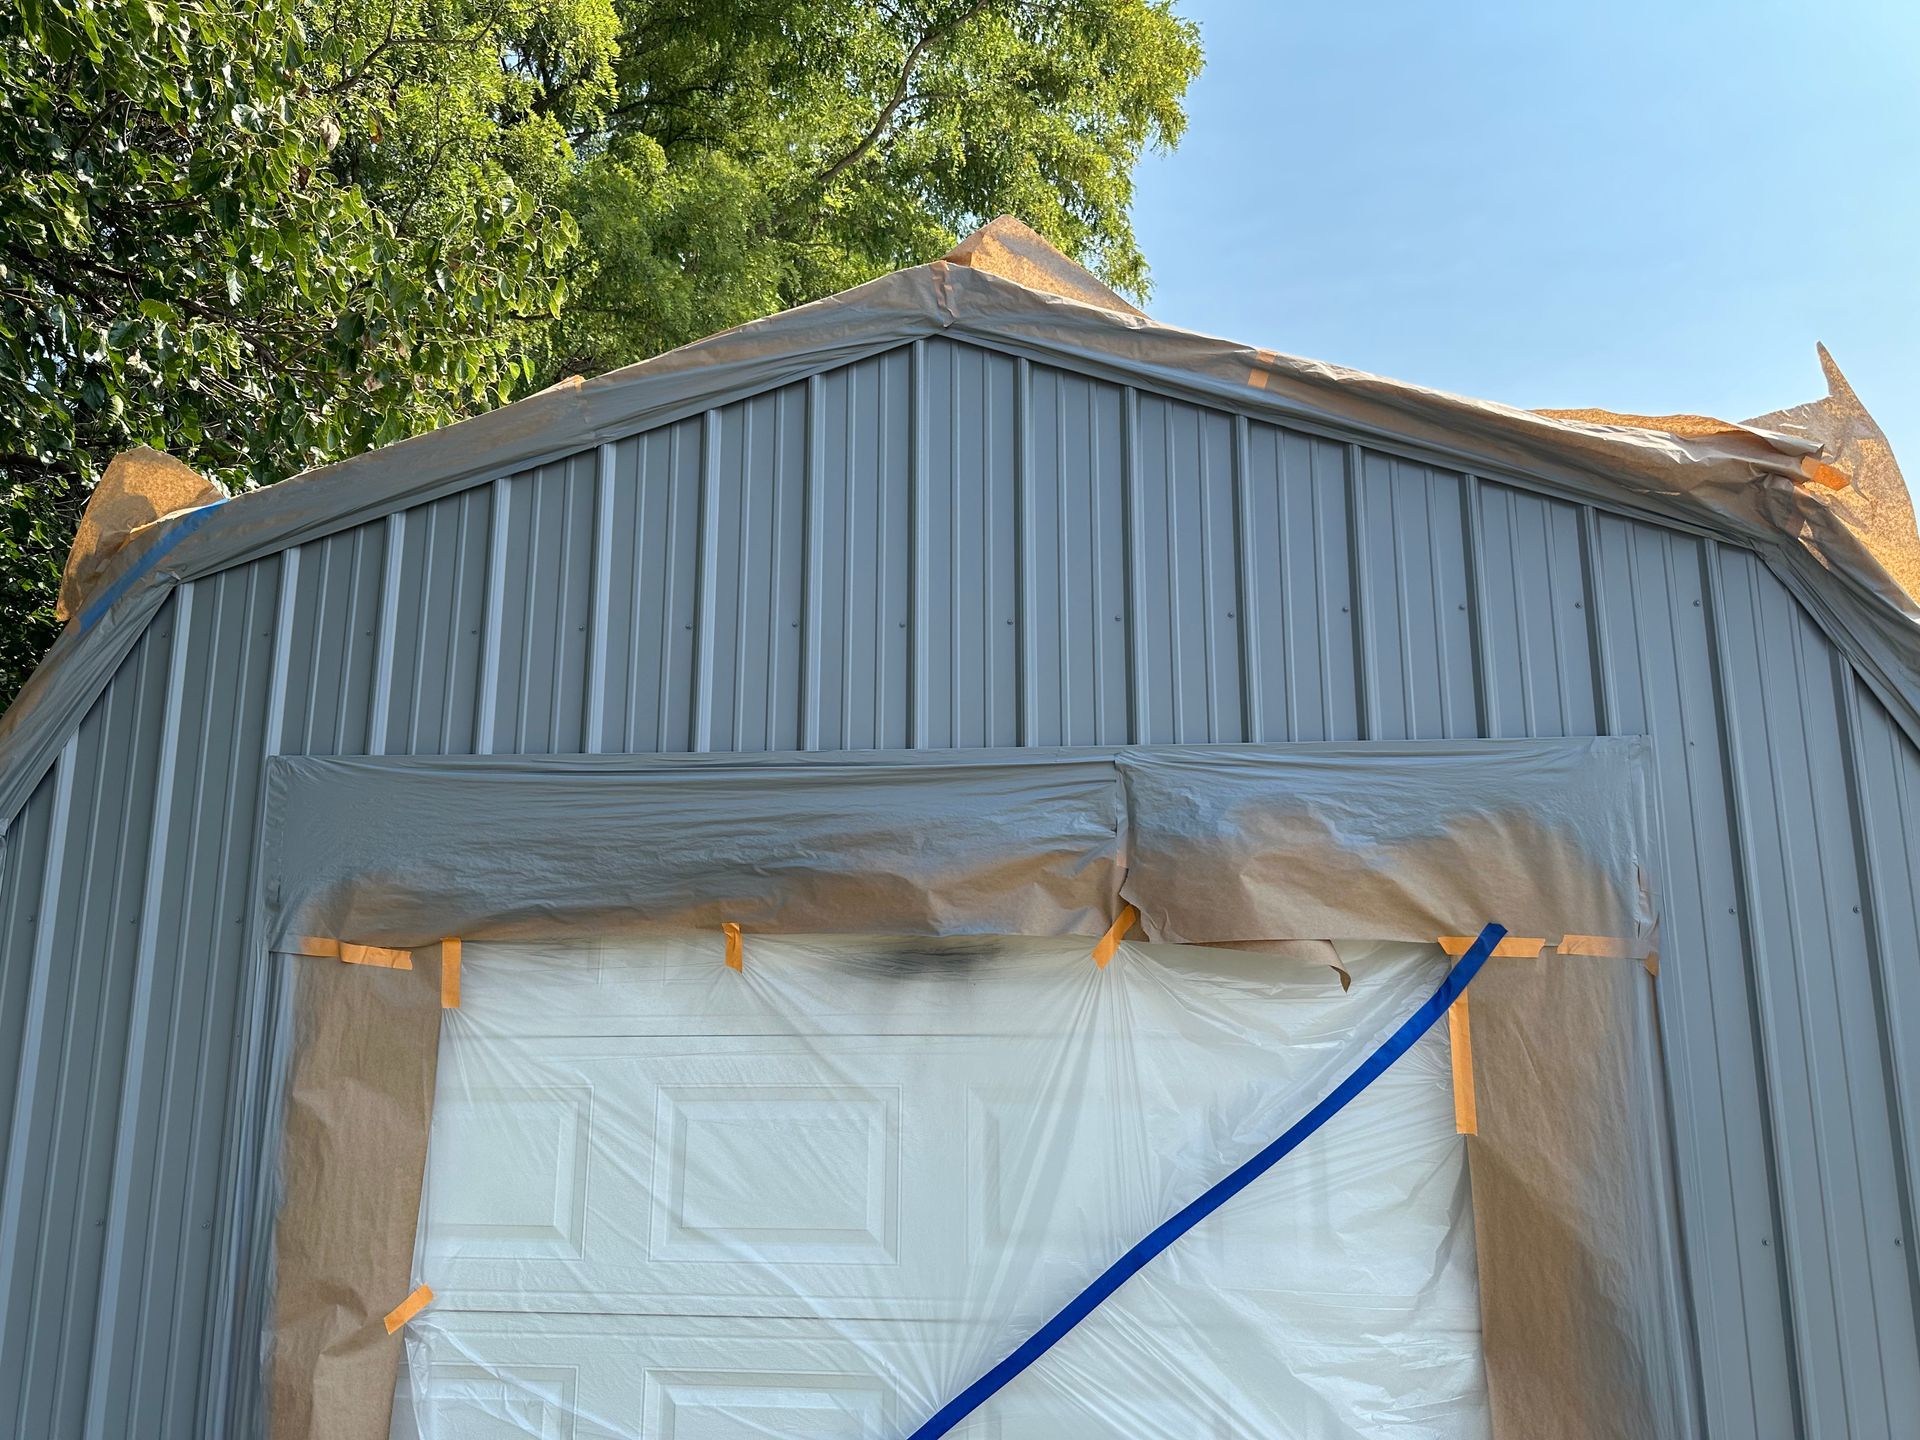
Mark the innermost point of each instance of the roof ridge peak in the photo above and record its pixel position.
(1012, 249)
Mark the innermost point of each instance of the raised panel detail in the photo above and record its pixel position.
(509, 1171)
(753, 1173)
(524, 1402)
(744, 1405)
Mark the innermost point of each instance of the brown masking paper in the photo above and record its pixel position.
(1568, 1195)
(360, 1100)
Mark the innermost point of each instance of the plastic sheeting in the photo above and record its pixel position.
(1746, 483)
(1177, 1060)
(1401, 841)
(820, 1195)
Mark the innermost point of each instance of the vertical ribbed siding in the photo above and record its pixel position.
(1651, 590)
(945, 545)
(1299, 589)
(1884, 772)
(1812, 975)
(63, 1121)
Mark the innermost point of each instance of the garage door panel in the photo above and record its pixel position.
(768, 1380)
(591, 1181)
(819, 1196)
(1227, 1371)
(782, 1174)
(710, 1189)
(821, 985)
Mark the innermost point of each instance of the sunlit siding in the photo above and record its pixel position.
(943, 546)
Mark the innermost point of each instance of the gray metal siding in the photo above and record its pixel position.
(940, 546)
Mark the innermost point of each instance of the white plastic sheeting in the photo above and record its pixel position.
(819, 1195)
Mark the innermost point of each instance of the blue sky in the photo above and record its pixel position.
(1565, 203)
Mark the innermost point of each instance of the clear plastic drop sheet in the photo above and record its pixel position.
(820, 1195)
(1402, 840)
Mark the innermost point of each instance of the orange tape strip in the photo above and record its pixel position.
(351, 954)
(1466, 1115)
(408, 1308)
(450, 973)
(1602, 947)
(736, 952)
(1512, 948)
(1822, 473)
(378, 955)
(1606, 947)
(1109, 944)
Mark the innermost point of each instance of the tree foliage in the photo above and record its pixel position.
(264, 234)
(182, 265)
(761, 153)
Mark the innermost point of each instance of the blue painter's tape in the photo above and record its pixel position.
(1171, 1229)
(173, 535)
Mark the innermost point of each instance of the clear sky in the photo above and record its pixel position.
(1558, 203)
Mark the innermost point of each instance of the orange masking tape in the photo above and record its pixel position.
(1601, 947)
(736, 952)
(1466, 1115)
(349, 953)
(1607, 947)
(1109, 943)
(1821, 473)
(408, 1308)
(450, 973)
(1514, 947)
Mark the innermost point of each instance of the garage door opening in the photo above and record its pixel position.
(818, 1195)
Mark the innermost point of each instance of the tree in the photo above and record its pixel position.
(265, 234)
(724, 159)
(762, 153)
(182, 264)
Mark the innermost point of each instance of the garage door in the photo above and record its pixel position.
(817, 1196)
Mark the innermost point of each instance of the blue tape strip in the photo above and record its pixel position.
(174, 534)
(1170, 1230)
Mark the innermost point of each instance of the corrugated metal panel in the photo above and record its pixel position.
(943, 546)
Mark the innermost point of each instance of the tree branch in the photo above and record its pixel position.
(902, 90)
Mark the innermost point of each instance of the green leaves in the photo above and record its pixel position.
(185, 266)
(266, 234)
(762, 153)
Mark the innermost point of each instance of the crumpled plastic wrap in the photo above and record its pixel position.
(1402, 840)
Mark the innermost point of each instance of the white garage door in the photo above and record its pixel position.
(818, 1196)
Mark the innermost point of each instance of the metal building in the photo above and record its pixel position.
(978, 504)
